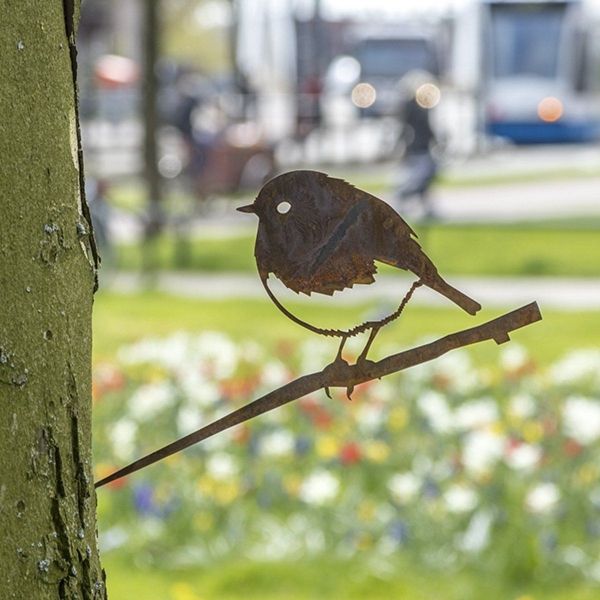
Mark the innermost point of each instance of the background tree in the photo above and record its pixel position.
(47, 273)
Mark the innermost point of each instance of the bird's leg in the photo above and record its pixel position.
(338, 359)
(362, 359)
(338, 356)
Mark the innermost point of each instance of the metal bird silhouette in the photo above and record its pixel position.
(320, 235)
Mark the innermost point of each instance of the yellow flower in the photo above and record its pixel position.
(203, 521)
(183, 591)
(226, 492)
(206, 485)
(497, 428)
(377, 451)
(398, 418)
(366, 511)
(587, 474)
(292, 484)
(328, 447)
(533, 432)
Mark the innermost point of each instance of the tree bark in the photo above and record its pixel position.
(48, 543)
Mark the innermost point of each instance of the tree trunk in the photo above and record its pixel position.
(48, 543)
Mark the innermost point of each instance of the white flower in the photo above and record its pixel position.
(456, 368)
(460, 498)
(181, 351)
(404, 487)
(314, 354)
(513, 357)
(278, 443)
(475, 414)
(216, 351)
(481, 451)
(593, 572)
(577, 366)
(274, 373)
(115, 537)
(523, 457)
(435, 408)
(477, 535)
(189, 419)
(581, 419)
(169, 352)
(542, 498)
(370, 417)
(197, 388)
(522, 406)
(319, 487)
(122, 436)
(150, 399)
(574, 556)
(221, 466)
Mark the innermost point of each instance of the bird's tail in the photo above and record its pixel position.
(443, 287)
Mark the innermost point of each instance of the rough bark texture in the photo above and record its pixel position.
(47, 275)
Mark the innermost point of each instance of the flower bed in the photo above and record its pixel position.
(446, 462)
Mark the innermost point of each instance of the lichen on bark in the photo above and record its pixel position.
(47, 278)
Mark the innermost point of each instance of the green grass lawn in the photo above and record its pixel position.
(568, 249)
(322, 579)
(121, 319)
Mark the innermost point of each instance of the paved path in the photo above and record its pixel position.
(555, 293)
(491, 203)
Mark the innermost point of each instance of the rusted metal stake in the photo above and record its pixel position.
(340, 374)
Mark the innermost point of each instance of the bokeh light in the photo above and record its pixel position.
(550, 109)
(428, 95)
(364, 95)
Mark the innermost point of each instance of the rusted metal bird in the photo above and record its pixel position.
(320, 234)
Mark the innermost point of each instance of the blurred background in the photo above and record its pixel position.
(479, 121)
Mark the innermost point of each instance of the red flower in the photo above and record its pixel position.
(321, 418)
(572, 448)
(350, 454)
(117, 484)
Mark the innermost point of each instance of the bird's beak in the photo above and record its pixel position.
(249, 208)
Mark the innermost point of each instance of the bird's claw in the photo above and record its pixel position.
(364, 364)
(334, 368)
(349, 391)
(337, 364)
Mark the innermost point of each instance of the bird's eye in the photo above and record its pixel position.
(283, 208)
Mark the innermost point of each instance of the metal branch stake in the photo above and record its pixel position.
(343, 375)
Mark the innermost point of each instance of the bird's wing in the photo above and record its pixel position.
(343, 189)
(340, 262)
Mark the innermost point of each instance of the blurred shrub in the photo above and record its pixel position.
(446, 463)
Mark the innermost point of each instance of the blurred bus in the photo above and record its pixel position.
(535, 68)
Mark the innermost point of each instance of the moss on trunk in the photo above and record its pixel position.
(47, 275)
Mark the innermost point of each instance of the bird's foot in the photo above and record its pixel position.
(349, 391)
(364, 363)
(333, 371)
(338, 364)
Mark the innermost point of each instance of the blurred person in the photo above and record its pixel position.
(419, 94)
